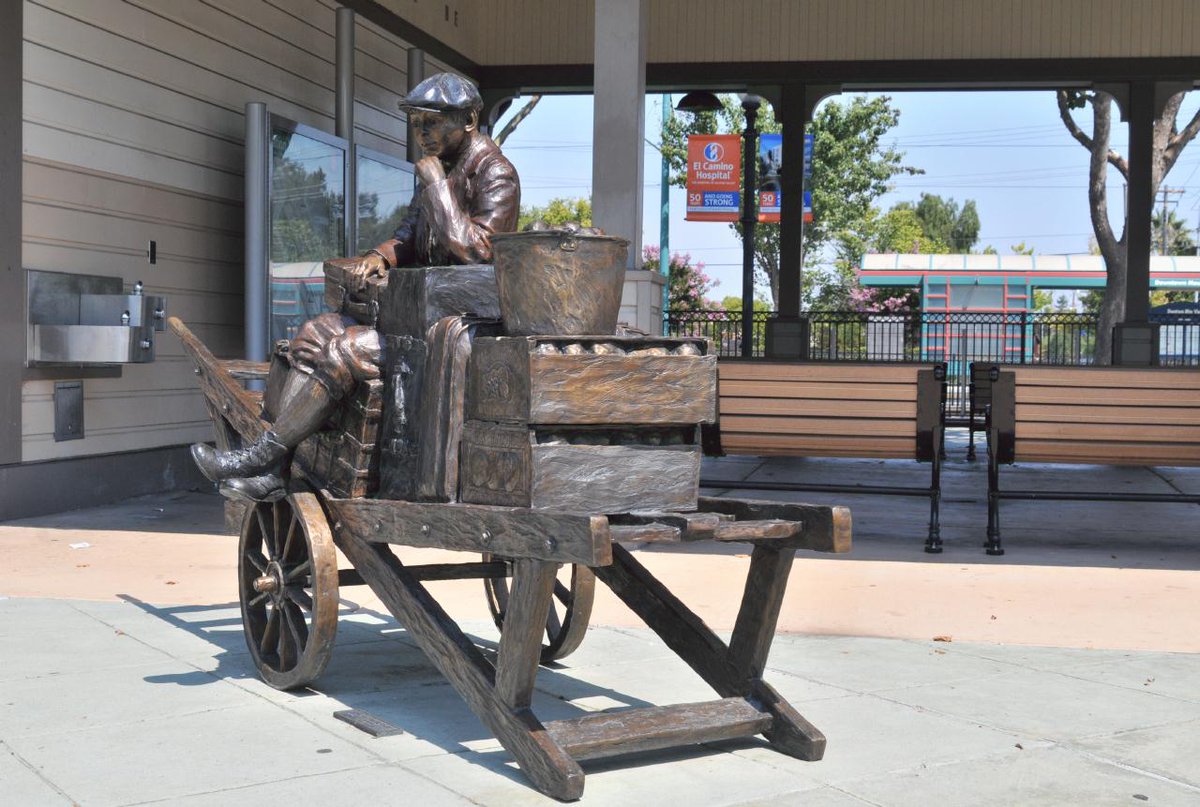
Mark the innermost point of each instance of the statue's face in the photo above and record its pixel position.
(438, 134)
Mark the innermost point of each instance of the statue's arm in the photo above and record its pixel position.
(466, 233)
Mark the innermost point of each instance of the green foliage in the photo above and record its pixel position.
(851, 168)
(306, 215)
(1177, 236)
(945, 223)
(902, 230)
(558, 212)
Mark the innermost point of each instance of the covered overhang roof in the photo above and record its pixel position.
(548, 44)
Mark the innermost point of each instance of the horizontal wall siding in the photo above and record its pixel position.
(133, 129)
(509, 32)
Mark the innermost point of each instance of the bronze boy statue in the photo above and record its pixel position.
(468, 191)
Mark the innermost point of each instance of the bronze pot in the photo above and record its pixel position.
(557, 282)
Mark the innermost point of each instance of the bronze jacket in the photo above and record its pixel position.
(452, 220)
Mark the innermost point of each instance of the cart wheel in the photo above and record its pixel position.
(288, 586)
(570, 609)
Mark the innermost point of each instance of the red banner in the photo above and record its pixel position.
(714, 177)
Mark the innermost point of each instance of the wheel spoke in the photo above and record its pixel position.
(270, 637)
(257, 560)
(291, 533)
(267, 537)
(291, 643)
(275, 507)
(254, 602)
(553, 626)
(303, 568)
(562, 593)
(299, 596)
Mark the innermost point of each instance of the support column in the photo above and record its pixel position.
(258, 226)
(344, 64)
(618, 127)
(12, 272)
(787, 333)
(1135, 341)
(416, 74)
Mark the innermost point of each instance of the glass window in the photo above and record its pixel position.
(385, 191)
(308, 224)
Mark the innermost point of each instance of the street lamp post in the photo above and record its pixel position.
(750, 105)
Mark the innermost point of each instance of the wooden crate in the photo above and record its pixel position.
(613, 470)
(592, 381)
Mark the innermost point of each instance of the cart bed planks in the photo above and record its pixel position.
(507, 531)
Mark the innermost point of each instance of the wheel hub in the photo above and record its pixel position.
(271, 581)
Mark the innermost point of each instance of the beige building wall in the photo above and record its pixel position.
(133, 129)
(527, 32)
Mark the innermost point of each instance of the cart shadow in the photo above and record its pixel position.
(375, 668)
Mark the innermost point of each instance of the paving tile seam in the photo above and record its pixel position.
(1125, 766)
(1129, 688)
(422, 775)
(125, 723)
(4, 746)
(856, 796)
(118, 631)
(177, 796)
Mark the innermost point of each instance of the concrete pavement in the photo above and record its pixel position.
(124, 677)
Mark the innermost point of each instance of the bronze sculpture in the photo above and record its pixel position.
(468, 192)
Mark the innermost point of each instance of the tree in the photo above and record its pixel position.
(558, 212)
(902, 229)
(851, 168)
(516, 119)
(687, 282)
(1174, 234)
(944, 222)
(1169, 142)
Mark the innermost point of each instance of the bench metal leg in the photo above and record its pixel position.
(971, 433)
(992, 545)
(933, 544)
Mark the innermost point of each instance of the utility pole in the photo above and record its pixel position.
(1166, 194)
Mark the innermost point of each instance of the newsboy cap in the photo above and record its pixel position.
(444, 92)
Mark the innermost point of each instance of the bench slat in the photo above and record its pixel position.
(1114, 397)
(1103, 453)
(787, 371)
(816, 407)
(805, 425)
(818, 445)
(818, 390)
(1166, 415)
(1106, 432)
(1129, 377)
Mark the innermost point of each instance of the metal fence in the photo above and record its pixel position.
(956, 338)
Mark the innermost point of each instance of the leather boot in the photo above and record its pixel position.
(258, 456)
(262, 488)
(307, 404)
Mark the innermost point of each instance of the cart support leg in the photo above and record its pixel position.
(730, 674)
(524, 624)
(545, 762)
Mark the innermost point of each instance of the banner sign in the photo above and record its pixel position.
(770, 170)
(714, 177)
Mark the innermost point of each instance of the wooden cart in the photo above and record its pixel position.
(289, 577)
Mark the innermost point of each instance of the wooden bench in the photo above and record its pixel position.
(1089, 415)
(884, 411)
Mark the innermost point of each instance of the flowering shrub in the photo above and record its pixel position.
(688, 284)
(878, 301)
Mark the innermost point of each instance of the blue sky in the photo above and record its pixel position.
(1006, 150)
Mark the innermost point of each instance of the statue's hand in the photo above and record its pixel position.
(372, 265)
(429, 170)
